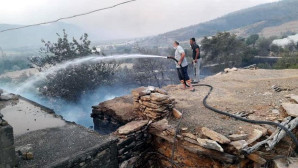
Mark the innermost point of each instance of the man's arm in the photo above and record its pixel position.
(197, 55)
(181, 59)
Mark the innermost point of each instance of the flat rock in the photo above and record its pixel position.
(256, 158)
(239, 144)
(176, 113)
(160, 125)
(255, 135)
(132, 127)
(136, 92)
(237, 137)
(215, 136)
(286, 163)
(209, 144)
(189, 135)
(294, 98)
(161, 91)
(158, 97)
(151, 105)
(146, 98)
(290, 109)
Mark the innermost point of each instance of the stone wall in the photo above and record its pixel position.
(134, 144)
(103, 156)
(7, 149)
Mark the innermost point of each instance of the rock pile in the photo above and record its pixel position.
(152, 103)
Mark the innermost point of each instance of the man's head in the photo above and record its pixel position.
(176, 44)
(192, 41)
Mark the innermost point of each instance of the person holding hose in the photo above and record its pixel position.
(181, 66)
(196, 59)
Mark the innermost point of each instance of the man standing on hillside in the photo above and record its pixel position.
(196, 59)
(181, 66)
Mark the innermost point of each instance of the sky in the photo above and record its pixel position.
(137, 19)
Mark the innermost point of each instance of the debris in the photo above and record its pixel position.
(227, 70)
(184, 129)
(177, 114)
(290, 109)
(276, 88)
(251, 67)
(26, 152)
(215, 136)
(237, 137)
(132, 127)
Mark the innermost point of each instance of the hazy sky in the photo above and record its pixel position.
(140, 18)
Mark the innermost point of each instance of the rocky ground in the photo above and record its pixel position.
(246, 91)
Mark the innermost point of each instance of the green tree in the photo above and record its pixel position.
(73, 81)
(225, 48)
(62, 50)
(252, 39)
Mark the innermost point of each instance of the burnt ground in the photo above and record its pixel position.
(243, 90)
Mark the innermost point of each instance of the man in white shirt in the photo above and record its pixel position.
(181, 66)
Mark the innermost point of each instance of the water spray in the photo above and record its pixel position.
(290, 134)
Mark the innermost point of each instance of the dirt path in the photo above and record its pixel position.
(242, 90)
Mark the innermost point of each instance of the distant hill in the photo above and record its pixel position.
(276, 18)
(31, 37)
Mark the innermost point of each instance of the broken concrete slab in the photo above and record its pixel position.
(237, 137)
(215, 136)
(290, 109)
(209, 144)
(132, 127)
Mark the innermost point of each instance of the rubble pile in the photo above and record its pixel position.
(152, 103)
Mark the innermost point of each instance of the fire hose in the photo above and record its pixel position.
(288, 132)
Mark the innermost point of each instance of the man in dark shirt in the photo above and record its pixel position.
(196, 59)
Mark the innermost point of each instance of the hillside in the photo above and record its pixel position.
(278, 18)
(31, 37)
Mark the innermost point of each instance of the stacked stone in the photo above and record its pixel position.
(134, 143)
(152, 103)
